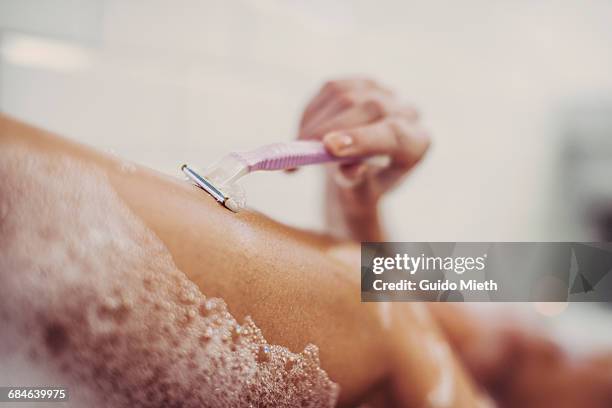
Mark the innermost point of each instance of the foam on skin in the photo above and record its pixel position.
(91, 299)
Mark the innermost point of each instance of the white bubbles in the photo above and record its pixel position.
(120, 324)
(127, 167)
(236, 196)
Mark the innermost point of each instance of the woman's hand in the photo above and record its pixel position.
(360, 118)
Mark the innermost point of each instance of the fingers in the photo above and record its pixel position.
(350, 175)
(397, 137)
(332, 89)
(354, 109)
(328, 110)
(317, 103)
(359, 117)
(350, 103)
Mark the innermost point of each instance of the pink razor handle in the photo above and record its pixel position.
(281, 156)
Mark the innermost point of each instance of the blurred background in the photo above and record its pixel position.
(517, 95)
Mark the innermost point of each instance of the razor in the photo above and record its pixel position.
(219, 179)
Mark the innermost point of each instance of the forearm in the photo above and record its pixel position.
(360, 224)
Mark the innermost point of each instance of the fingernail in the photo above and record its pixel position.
(338, 142)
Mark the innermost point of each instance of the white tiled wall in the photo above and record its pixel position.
(165, 82)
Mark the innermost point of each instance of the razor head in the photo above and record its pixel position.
(208, 186)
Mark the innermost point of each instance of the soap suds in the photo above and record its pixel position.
(90, 299)
(127, 166)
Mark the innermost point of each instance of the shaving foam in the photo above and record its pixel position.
(91, 299)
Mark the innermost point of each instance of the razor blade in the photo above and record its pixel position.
(208, 186)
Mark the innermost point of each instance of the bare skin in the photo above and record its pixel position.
(521, 365)
(358, 117)
(361, 117)
(296, 303)
(293, 283)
